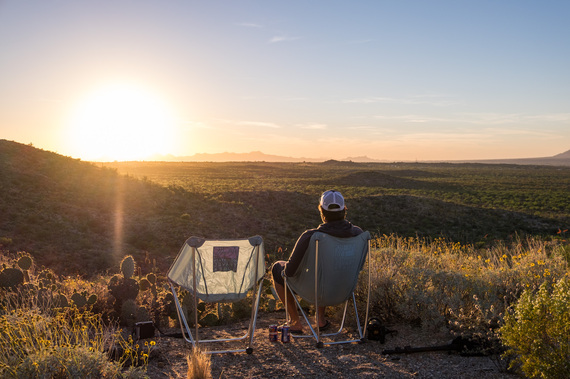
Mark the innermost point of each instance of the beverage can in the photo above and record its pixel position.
(285, 337)
(273, 333)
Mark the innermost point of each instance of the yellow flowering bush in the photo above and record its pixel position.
(537, 331)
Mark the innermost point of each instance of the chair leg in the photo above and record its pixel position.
(253, 320)
(184, 327)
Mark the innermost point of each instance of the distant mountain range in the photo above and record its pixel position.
(254, 156)
(562, 159)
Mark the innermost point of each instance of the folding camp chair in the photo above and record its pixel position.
(327, 276)
(219, 271)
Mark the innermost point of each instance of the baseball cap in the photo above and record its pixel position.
(332, 201)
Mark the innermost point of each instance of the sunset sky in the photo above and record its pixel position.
(391, 80)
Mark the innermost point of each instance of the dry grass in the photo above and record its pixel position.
(199, 365)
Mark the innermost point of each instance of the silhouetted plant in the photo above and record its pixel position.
(124, 289)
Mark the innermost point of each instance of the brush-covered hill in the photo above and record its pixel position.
(79, 217)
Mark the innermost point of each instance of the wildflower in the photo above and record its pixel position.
(546, 272)
(152, 343)
(532, 264)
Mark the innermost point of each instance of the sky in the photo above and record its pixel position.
(391, 80)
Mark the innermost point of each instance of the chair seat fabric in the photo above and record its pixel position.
(225, 269)
(340, 260)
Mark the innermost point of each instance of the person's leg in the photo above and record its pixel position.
(294, 321)
(321, 319)
(278, 284)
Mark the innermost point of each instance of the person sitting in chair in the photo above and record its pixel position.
(333, 215)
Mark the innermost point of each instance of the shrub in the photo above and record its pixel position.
(445, 284)
(67, 362)
(537, 331)
(39, 340)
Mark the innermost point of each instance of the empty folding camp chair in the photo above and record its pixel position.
(327, 276)
(219, 271)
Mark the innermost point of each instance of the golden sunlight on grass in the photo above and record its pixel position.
(120, 122)
(198, 365)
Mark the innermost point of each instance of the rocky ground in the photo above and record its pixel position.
(301, 358)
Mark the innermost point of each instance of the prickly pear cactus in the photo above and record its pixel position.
(11, 277)
(144, 284)
(151, 278)
(128, 267)
(128, 312)
(79, 299)
(25, 262)
(60, 301)
(125, 287)
(92, 299)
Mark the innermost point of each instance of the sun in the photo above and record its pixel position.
(121, 122)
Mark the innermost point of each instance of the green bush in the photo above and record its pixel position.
(537, 332)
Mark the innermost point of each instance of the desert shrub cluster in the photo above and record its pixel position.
(52, 328)
(536, 331)
(499, 296)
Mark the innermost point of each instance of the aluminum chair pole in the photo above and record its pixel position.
(181, 317)
(368, 298)
(194, 284)
(255, 300)
(286, 290)
(317, 291)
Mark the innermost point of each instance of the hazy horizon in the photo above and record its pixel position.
(392, 81)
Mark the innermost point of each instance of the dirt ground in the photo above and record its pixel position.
(301, 358)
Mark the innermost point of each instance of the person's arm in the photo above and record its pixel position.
(298, 253)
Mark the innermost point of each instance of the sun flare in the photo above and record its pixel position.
(121, 122)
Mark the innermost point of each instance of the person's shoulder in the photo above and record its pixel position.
(310, 231)
(307, 234)
(357, 230)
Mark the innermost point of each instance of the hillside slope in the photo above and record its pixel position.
(77, 217)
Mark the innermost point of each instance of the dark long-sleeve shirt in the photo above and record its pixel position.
(341, 228)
